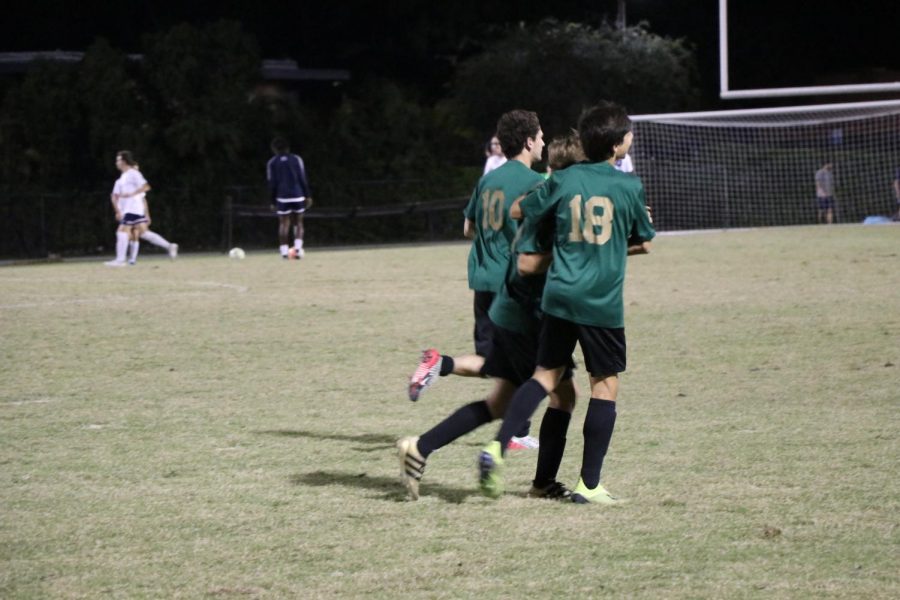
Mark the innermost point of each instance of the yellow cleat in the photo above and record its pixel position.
(584, 495)
(490, 465)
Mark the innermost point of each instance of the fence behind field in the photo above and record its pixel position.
(38, 224)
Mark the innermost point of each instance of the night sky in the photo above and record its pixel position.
(778, 43)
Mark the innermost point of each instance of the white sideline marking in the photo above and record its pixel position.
(700, 231)
(227, 286)
(118, 298)
(20, 402)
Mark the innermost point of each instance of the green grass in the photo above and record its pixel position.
(217, 428)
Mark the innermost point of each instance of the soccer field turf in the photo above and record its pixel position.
(219, 428)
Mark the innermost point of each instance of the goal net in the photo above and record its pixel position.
(755, 168)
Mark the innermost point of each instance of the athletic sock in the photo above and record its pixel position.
(298, 243)
(447, 365)
(121, 245)
(468, 418)
(524, 429)
(522, 405)
(134, 247)
(283, 249)
(598, 429)
(155, 239)
(554, 426)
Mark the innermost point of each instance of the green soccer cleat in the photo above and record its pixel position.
(412, 465)
(584, 495)
(490, 465)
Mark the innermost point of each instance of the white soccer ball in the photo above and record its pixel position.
(237, 254)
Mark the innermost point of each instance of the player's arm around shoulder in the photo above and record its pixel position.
(538, 202)
(515, 209)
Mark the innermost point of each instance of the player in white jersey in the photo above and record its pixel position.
(129, 202)
(495, 157)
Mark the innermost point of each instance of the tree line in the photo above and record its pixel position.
(189, 111)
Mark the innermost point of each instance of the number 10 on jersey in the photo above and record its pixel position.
(492, 209)
(586, 229)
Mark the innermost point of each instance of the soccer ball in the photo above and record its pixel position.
(293, 254)
(237, 254)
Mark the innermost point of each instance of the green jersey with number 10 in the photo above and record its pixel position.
(596, 210)
(494, 230)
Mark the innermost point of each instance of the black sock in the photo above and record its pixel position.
(522, 405)
(553, 444)
(446, 365)
(524, 429)
(598, 429)
(468, 418)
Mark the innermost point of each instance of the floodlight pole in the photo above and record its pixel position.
(620, 16)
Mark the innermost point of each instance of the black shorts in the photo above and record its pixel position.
(513, 357)
(603, 348)
(283, 208)
(483, 327)
(825, 202)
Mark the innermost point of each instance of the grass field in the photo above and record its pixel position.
(212, 428)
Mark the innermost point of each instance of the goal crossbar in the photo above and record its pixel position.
(726, 93)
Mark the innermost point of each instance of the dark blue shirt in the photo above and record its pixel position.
(287, 177)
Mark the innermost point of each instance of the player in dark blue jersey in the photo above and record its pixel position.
(291, 194)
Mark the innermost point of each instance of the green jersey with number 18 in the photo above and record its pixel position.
(596, 210)
(494, 230)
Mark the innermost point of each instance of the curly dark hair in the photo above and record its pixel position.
(514, 128)
(600, 128)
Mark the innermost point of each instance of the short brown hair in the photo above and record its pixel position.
(565, 151)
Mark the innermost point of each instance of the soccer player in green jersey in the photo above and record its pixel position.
(598, 214)
(488, 224)
(515, 320)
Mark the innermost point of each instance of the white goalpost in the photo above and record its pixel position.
(754, 168)
(726, 93)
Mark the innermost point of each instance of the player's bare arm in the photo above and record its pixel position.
(114, 200)
(642, 248)
(469, 229)
(533, 263)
